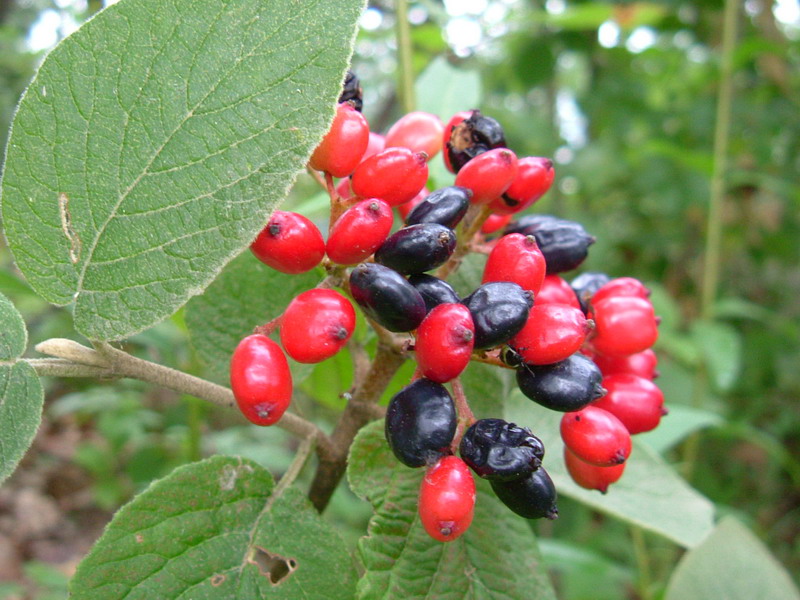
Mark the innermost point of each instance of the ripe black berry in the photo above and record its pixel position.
(532, 497)
(565, 244)
(434, 291)
(387, 297)
(417, 248)
(473, 136)
(420, 423)
(351, 90)
(446, 206)
(565, 386)
(498, 450)
(499, 310)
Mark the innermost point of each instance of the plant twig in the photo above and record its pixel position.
(404, 55)
(105, 361)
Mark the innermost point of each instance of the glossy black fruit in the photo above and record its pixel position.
(417, 248)
(565, 244)
(446, 206)
(532, 497)
(586, 284)
(420, 423)
(564, 386)
(387, 297)
(351, 91)
(498, 450)
(473, 136)
(434, 291)
(499, 311)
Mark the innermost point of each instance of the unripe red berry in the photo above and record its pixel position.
(316, 325)
(359, 232)
(488, 175)
(589, 476)
(634, 400)
(290, 243)
(495, 223)
(260, 379)
(516, 258)
(621, 286)
(534, 177)
(418, 131)
(623, 325)
(596, 436)
(447, 499)
(395, 176)
(447, 134)
(343, 146)
(552, 333)
(642, 364)
(444, 342)
(556, 290)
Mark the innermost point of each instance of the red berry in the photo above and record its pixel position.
(395, 176)
(488, 175)
(290, 243)
(634, 400)
(316, 325)
(556, 290)
(552, 333)
(621, 286)
(418, 131)
(642, 363)
(623, 325)
(495, 223)
(447, 499)
(260, 379)
(359, 232)
(590, 476)
(444, 342)
(516, 258)
(534, 177)
(377, 143)
(596, 436)
(343, 146)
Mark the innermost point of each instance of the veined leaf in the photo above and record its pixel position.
(153, 142)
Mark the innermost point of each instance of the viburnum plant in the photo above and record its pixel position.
(144, 170)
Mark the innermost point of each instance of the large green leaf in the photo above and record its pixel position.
(650, 494)
(21, 394)
(212, 530)
(153, 142)
(721, 347)
(732, 564)
(246, 294)
(496, 558)
(444, 90)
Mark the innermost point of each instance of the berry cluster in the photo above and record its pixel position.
(582, 348)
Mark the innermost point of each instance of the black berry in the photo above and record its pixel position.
(473, 136)
(586, 284)
(417, 248)
(498, 450)
(532, 497)
(351, 91)
(565, 386)
(420, 423)
(387, 297)
(434, 291)
(565, 244)
(446, 206)
(499, 310)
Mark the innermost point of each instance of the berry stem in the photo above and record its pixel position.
(465, 415)
(268, 327)
(359, 411)
(404, 56)
(471, 225)
(106, 362)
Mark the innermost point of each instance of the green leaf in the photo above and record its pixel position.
(721, 347)
(496, 558)
(147, 152)
(21, 394)
(731, 563)
(213, 530)
(246, 294)
(681, 422)
(444, 90)
(650, 494)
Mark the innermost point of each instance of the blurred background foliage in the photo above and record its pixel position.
(624, 97)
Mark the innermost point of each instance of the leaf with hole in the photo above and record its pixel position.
(215, 529)
(154, 141)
